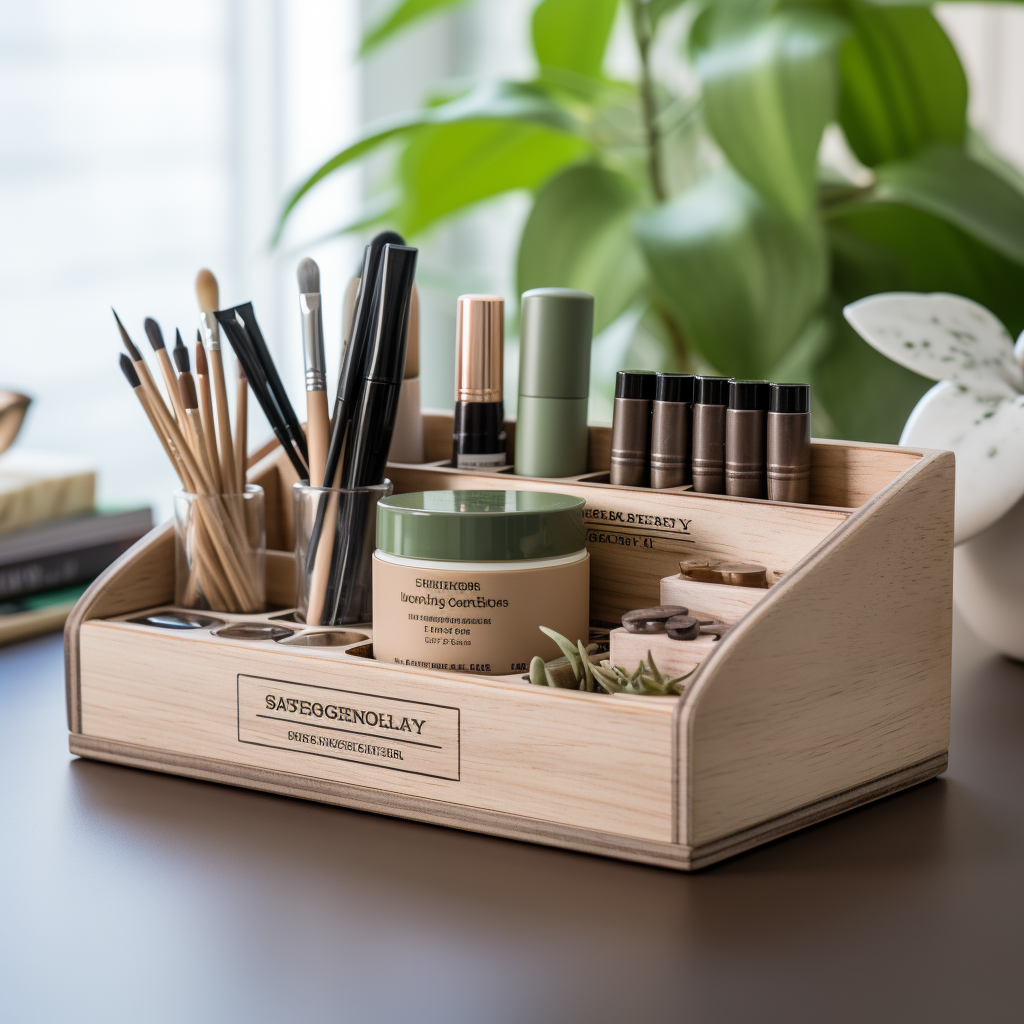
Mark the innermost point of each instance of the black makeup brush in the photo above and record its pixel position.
(240, 340)
(180, 353)
(156, 339)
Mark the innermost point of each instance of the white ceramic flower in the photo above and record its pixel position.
(977, 411)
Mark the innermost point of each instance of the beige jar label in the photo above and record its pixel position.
(484, 622)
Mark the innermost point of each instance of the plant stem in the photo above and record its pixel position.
(642, 32)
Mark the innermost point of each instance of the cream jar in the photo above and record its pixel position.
(463, 579)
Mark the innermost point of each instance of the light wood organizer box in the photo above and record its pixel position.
(831, 690)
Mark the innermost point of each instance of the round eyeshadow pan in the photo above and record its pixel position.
(177, 620)
(252, 631)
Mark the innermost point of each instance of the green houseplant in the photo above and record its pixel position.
(701, 214)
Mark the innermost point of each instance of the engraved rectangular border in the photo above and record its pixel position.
(352, 760)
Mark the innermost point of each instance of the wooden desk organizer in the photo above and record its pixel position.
(831, 690)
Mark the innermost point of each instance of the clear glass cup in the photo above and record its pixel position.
(220, 561)
(335, 537)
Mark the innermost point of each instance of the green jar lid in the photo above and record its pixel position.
(480, 526)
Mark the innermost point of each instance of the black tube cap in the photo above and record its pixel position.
(674, 387)
(635, 384)
(790, 398)
(748, 394)
(711, 390)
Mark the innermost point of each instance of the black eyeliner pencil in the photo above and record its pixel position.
(373, 420)
(240, 341)
(355, 353)
(349, 377)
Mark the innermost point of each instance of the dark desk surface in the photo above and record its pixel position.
(130, 896)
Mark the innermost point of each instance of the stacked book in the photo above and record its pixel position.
(53, 541)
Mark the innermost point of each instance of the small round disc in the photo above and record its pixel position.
(651, 620)
(683, 627)
(177, 620)
(744, 574)
(253, 631)
(715, 629)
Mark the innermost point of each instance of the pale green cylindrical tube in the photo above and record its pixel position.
(554, 382)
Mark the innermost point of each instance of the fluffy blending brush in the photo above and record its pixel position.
(208, 295)
(317, 420)
(206, 410)
(156, 339)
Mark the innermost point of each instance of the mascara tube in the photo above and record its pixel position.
(631, 428)
(671, 426)
(789, 443)
(745, 426)
(479, 440)
(710, 396)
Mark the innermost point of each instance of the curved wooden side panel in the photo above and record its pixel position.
(141, 578)
(144, 575)
(840, 676)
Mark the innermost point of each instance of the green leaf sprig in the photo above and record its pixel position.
(645, 680)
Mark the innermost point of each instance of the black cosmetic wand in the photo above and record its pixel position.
(373, 418)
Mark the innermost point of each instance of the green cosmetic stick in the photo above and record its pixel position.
(556, 329)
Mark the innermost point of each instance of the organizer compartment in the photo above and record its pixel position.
(831, 689)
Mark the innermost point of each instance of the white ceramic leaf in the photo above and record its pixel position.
(987, 437)
(944, 337)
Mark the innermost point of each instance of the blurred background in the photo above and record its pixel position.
(143, 141)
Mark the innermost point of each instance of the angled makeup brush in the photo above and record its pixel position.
(317, 425)
(247, 315)
(206, 409)
(135, 355)
(156, 339)
(238, 336)
(207, 292)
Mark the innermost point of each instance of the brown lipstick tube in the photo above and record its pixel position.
(631, 428)
(745, 439)
(789, 443)
(710, 396)
(671, 426)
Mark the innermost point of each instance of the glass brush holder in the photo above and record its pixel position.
(335, 537)
(220, 551)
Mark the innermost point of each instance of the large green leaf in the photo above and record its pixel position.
(902, 86)
(769, 88)
(450, 166)
(892, 248)
(572, 34)
(400, 17)
(945, 181)
(888, 247)
(492, 101)
(579, 235)
(742, 278)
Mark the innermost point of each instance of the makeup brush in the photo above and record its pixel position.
(152, 392)
(207, 293)
(156, 339)
(238, 336)
(317, 426)
(247, 315)
(242, 425)
(132, 376)
(135, 355)
(206, 410)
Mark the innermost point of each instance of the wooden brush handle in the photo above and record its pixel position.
(317, 432)
(227, 453)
